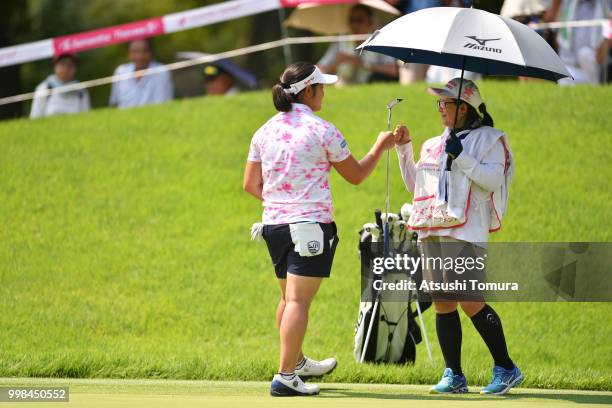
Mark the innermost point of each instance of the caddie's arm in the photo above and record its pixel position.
(488, 174)
(405, 155)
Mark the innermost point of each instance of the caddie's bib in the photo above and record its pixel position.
(426, 215)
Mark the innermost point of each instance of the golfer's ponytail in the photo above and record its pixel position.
(282, 100)
(293, 73)
(486, 120)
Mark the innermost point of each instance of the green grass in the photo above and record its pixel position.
(124, 247)
(225, 394)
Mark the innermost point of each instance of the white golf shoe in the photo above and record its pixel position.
(289, 388)
(313, 368)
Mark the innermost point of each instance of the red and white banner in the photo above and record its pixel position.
(295, 3)
(216, 13)
(170, 23)
(73, 43)
(607, 29)
(18, 54)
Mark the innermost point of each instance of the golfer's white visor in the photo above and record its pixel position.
(317, 77)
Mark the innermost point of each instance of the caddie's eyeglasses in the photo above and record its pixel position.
(442, 104)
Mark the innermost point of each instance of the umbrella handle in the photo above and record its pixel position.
(449, 159)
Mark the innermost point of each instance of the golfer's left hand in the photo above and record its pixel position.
(453, 146)
(386, 140)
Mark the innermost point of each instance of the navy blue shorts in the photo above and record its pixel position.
(286, 259)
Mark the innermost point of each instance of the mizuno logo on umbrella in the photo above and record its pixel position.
(480, 41)
(481, 44)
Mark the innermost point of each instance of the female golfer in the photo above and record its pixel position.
(454, 211)
(288, 169)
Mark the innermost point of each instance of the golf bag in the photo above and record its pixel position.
(386, 329)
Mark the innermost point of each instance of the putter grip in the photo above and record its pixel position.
(378, 217)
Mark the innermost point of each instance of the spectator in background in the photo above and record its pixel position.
(412, 72)
(579, 46)
(223, 76)
(408, 6)
(142, 89)
(219, 82)
(530, 12)
(64, 69)
(352, 68)
(604, 53)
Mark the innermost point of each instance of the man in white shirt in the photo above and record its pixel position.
(141, 90)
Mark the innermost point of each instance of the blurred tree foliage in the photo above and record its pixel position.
(32, 20)
(13, 24)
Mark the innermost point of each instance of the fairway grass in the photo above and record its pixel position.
(228, 394)
(125, 252)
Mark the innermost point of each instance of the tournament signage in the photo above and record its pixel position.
(106, 36)
(170, 23)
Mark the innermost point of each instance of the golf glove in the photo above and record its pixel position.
(257, 231)
(453, 146)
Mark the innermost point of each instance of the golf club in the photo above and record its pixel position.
(390, 106)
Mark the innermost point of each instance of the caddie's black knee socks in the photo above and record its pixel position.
(448, 327)
(489, 326)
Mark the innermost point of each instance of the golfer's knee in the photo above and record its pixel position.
(445, 307)
(297, 302)
(471, 308)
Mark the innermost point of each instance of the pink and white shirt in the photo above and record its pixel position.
(296, 150)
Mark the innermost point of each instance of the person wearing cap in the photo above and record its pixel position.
(288, 166)
(454, 211)
(223, 75)
(141, 89)
(219, 82)
(48, 102)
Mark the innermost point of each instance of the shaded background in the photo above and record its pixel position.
(31, 20)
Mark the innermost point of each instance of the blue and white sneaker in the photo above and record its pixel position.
(289, 388)
(313, 368)
(503, 380)
(450, 384)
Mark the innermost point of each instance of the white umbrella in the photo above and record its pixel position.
(468, 39)
(325, 18)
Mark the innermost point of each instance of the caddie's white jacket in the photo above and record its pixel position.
(475, 191)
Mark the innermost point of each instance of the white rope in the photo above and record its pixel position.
(243, 51)
(570, 24)
(182, 64)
